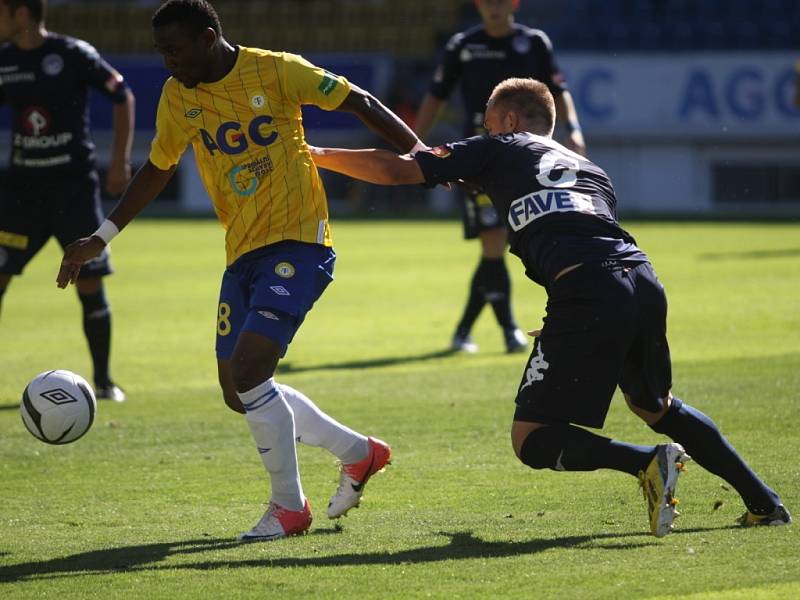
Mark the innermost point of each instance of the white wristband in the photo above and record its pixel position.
(418, 147)
(107, 231)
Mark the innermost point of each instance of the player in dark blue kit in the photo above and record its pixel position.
(477, 60)
(606, 310)
(52, 187)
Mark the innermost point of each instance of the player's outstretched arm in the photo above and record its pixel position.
(370, 165)
(148, 183)
(380, 120)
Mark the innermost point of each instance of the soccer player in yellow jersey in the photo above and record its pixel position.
(239, 108)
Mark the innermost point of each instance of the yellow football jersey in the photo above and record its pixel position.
(247, 134)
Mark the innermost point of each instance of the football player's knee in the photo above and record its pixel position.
(649, 412)
(233, 402)
(245, 373)
(536, 451)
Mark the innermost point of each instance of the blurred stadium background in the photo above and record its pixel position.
(686, 103)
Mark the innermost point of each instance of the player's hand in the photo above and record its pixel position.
(575, 142)
(534, 333)
(117, 178)
(75, 255)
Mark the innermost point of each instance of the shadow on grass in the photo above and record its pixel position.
(4, 407)
(461, 546)
(751, 254)
(385, 361)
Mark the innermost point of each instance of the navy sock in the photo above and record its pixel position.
(570, 448)
(97, 328)
(498, 291)
(475, 302)
(705, 443)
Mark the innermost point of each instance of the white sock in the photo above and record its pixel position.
(272, 426)
(315, 428)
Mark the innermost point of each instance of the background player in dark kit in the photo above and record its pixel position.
(606, 311)
(52, 187)
(477, 60)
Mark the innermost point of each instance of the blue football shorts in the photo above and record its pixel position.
(605, 326)
(269, 291)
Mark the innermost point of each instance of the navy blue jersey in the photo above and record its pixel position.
(480, 62)
(559, 206)
(47, 89)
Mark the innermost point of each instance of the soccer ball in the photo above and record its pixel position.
(58, 407)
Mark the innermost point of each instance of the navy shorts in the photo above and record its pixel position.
(32, 210)
(479, 215)
(269, 291)
(605, 326)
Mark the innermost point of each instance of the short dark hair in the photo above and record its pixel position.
(196, 15)
(37, 8)
(528, 98)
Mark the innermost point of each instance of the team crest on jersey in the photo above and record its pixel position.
(52, 64)
(521, 44)
(192, 113)
(257, 101)
(285, 270)
(441, 151)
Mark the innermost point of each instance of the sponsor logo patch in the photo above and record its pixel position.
(285, 270)
(193, 112)
(268, 315)
(529, 208)
(535, 371)
(328, 84)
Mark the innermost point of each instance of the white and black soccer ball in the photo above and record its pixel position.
(58, 407)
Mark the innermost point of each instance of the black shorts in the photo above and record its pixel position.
(478, 215)
(605, 326)
(31, 211)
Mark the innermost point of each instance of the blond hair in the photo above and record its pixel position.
(530, 99)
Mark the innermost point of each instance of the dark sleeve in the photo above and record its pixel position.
(465, 160)
(549, 74)
(97, 73)
(448, 71)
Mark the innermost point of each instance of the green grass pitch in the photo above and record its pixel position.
(147, 504)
